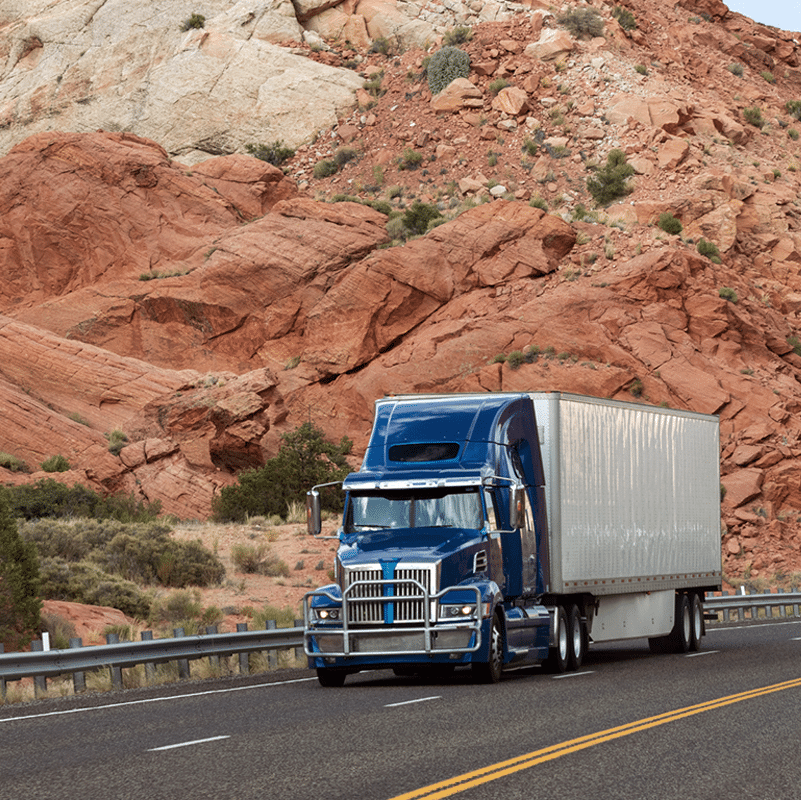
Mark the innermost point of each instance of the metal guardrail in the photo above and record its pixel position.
(116, 655)
(746, 606)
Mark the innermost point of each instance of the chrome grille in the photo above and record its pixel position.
(398, 611)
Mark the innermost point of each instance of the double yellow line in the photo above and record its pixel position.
(469, 780)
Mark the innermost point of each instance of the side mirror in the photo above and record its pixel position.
(517, 504)
(313, 516)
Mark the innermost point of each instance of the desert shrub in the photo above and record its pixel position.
(641, 69)
(56, 464)
(383, 46)
(708, 249)
(611, 181)
(538, 202)
(325, 169)
(177, 607)
(193, 21)
(625, 17)
(85, 582)
(669, 224)
(61, 630)
(343, 155)
(275, 153)
(20, 583)
(49, 498)
(727, 293)
(768, 76)
(12, 463)
(116, 441)
(258, 560)
(411, 159)
(396, 230)
(446, 65)
(753, 116)
(497, 85)
(529, 147)
(795, 343)
(515, 359)
(461, 34)
(793, 108)
(793, 134)
(736, 69)
(417, 217)
(305, 459)
(581, 22)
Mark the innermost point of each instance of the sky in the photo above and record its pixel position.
(784, 14)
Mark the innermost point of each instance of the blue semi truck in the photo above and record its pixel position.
(498, 531)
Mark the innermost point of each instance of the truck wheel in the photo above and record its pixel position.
(331, 678)
(681, 635)
(577, 639)
(697, 623)
(558, 655)
(490, 672)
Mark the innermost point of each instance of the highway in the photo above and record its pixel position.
(629, 725)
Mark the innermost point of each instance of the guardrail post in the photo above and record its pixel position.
(272, 656)
(78, 678)
(2, 680)
(214, 661)
(244, 661)
(114, 672)
(39, 681)
(150, 667)
(795, 605)
(183, 663)
(725, 610)
(298, 650)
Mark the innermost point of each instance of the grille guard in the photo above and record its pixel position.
(429, 629)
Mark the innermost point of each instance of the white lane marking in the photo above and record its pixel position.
(409, 702)
(187, 744)
(574, 674)
(155, 700)
(702, 653)
(751, 625)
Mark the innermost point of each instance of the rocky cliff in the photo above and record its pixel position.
(203, 307)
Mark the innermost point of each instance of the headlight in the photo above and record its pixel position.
(457, 611)
(327, 613)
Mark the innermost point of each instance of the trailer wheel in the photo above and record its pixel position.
(681, 635)
(697, 623)
(331, 678)
(558, 656)
(577, 639)
(490, 671)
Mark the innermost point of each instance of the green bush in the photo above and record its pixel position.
(669, 224)
(768, 76)
(49, 498)
(497, 85)
(446, 65)
(625, 17)
(325, 169)
(458, 35)
(56, 464)
(84, 582)
(708, 249)
(727, 293)
(736, 69)
(753, 116)
(116, 441)
(581, 22)
(611, 181)
(12, 463)
(305, 459)
(516, 359)
(538, 202)
(275, 153)
(793, 108)
(343, 155)
(20, 583)
(411, 159)
(193, 21)
(418, 216)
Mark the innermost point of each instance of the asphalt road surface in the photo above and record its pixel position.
(723, 723)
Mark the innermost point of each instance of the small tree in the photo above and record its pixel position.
(305, 459)
(20, 605)
(611, 180)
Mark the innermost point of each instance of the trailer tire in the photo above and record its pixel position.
(558, 655)
(681, 635)
(331, 678)
(577, 639)
(696, 623)
(490, 670)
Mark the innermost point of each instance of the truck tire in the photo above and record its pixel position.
(331, 678)
(696, 623)
(577, 639)
(681, 635)
(490, 671)
(558, 656)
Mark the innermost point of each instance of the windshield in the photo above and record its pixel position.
(420, 509)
